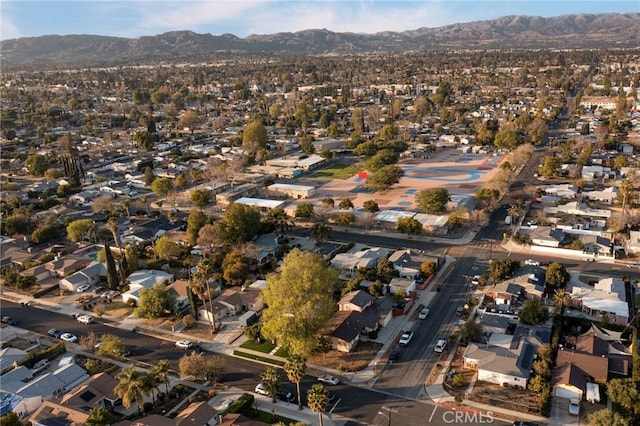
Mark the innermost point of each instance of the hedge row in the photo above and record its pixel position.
(49, 353)
(241, 405)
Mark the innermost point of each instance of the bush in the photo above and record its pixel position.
(161, 396)
(242, 404)
(49, 353)
(147, 407)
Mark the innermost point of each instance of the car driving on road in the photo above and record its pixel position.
(85, 319)
(329, 380)
(68, 337)
(184, 344)
(423, 314)
(406, 337)
(440, 345)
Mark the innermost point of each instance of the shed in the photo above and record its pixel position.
(248, 318)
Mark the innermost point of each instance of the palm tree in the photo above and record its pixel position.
(561, 298)
(130, 387)
(317, 399)
(296, 367)
(320, 232)
(150, 381)
(279, 220)
(161, 369)
(200, 286)
(271, 381)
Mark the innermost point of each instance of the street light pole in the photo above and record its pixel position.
(389, 410)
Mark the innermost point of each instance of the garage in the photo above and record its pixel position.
(568, 392)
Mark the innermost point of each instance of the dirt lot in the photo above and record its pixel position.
(356, 360)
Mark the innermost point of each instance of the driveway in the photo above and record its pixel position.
(560, 414)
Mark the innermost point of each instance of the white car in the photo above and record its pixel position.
(475, 281)
(261, 390)
(406, 338)
(532, 262)
(68, 337)
(440, 345)
(329, 380)
(83, 288)
(85, 319)
(423, 314)
(184, 344)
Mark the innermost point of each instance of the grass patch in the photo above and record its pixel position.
(264, 347)
(338, 171)
(268, 418)
(258, 358)
(283, 352)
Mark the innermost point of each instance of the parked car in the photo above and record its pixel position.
(40, 366)
(406, 337)
(68, 337)
(329, 380)
(261, 389)
(9, 320)
(423, 314)
(85, 319)
(54, 332)
(521, 423)
(574, 407)
(184, 344)
(285, 395)
(532, 262)
(440, 345)
(475, 281)
(83, 288)
(395, 356)
(460, 310)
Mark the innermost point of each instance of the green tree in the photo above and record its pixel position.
(235, 268)
(162, 186)
(605, 417)
(299, 301)
(625, 393)
(278, 220)
(381, 159)
(112, 273)
(409, 226)
(11, 419)
(499, 269)
(549, 167)
(200, 198)
(130, 387)
(383, 178)
(506, 139)
(471, 331)
(533, 312)
(162, 370)
(346, 219)
(428, 268)
(371, 206)
(239, 223)
(456, 218)
(155, 302)
(82, 230)
(36, 164)
(254, 137)
(195, 222)
(557, 275)
(433, 200)
(536, 384)
(166, 249)
(149, 177)
(320, 233)
(296, 367)
(44, 233)
(270, 379)
(200, 284)
(345, 204)
(111, 346)
(317, 399)
(132, 256)
(304, 211)
(561, 298)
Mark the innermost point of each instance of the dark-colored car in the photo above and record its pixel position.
(395, 356)
(9, 320)
(285, 395)
(54, 332)
(521, 423)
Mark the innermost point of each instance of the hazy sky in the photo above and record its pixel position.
(134, 18)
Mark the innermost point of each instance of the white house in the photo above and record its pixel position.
(91, 275)
(144, 278)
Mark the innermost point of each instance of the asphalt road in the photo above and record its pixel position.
(360, 404)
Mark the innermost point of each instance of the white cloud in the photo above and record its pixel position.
(8, 29)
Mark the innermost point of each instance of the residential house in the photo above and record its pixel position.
(180, 292)
(197, 413)
(144, 278)
(590, 358)
(532, 281)
(344, 330)
(608, 195)
(292, 191)
(50, 413)
(406, 285)
(567, 191)
(597, 245)
(407, 262)
(607, 298)
(233, 302)
(19, 405)
(547, 236)
(349, 263)
(9, 356)
(633, 244)
(506, 359)
(91, 274)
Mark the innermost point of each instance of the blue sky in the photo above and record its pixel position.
(134, 18)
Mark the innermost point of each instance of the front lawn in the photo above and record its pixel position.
(264, 347)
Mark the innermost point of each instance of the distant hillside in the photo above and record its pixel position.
(569, 31)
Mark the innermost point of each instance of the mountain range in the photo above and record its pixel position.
(508, 32)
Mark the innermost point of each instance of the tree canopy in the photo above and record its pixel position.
(533, 312)
(299, 301)
(383, 178)
(239, 223)
(254, 137)
(433, 200)
(557, 275)
(82, 230)
(155, 302)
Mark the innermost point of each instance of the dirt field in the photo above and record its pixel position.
(356, 360)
